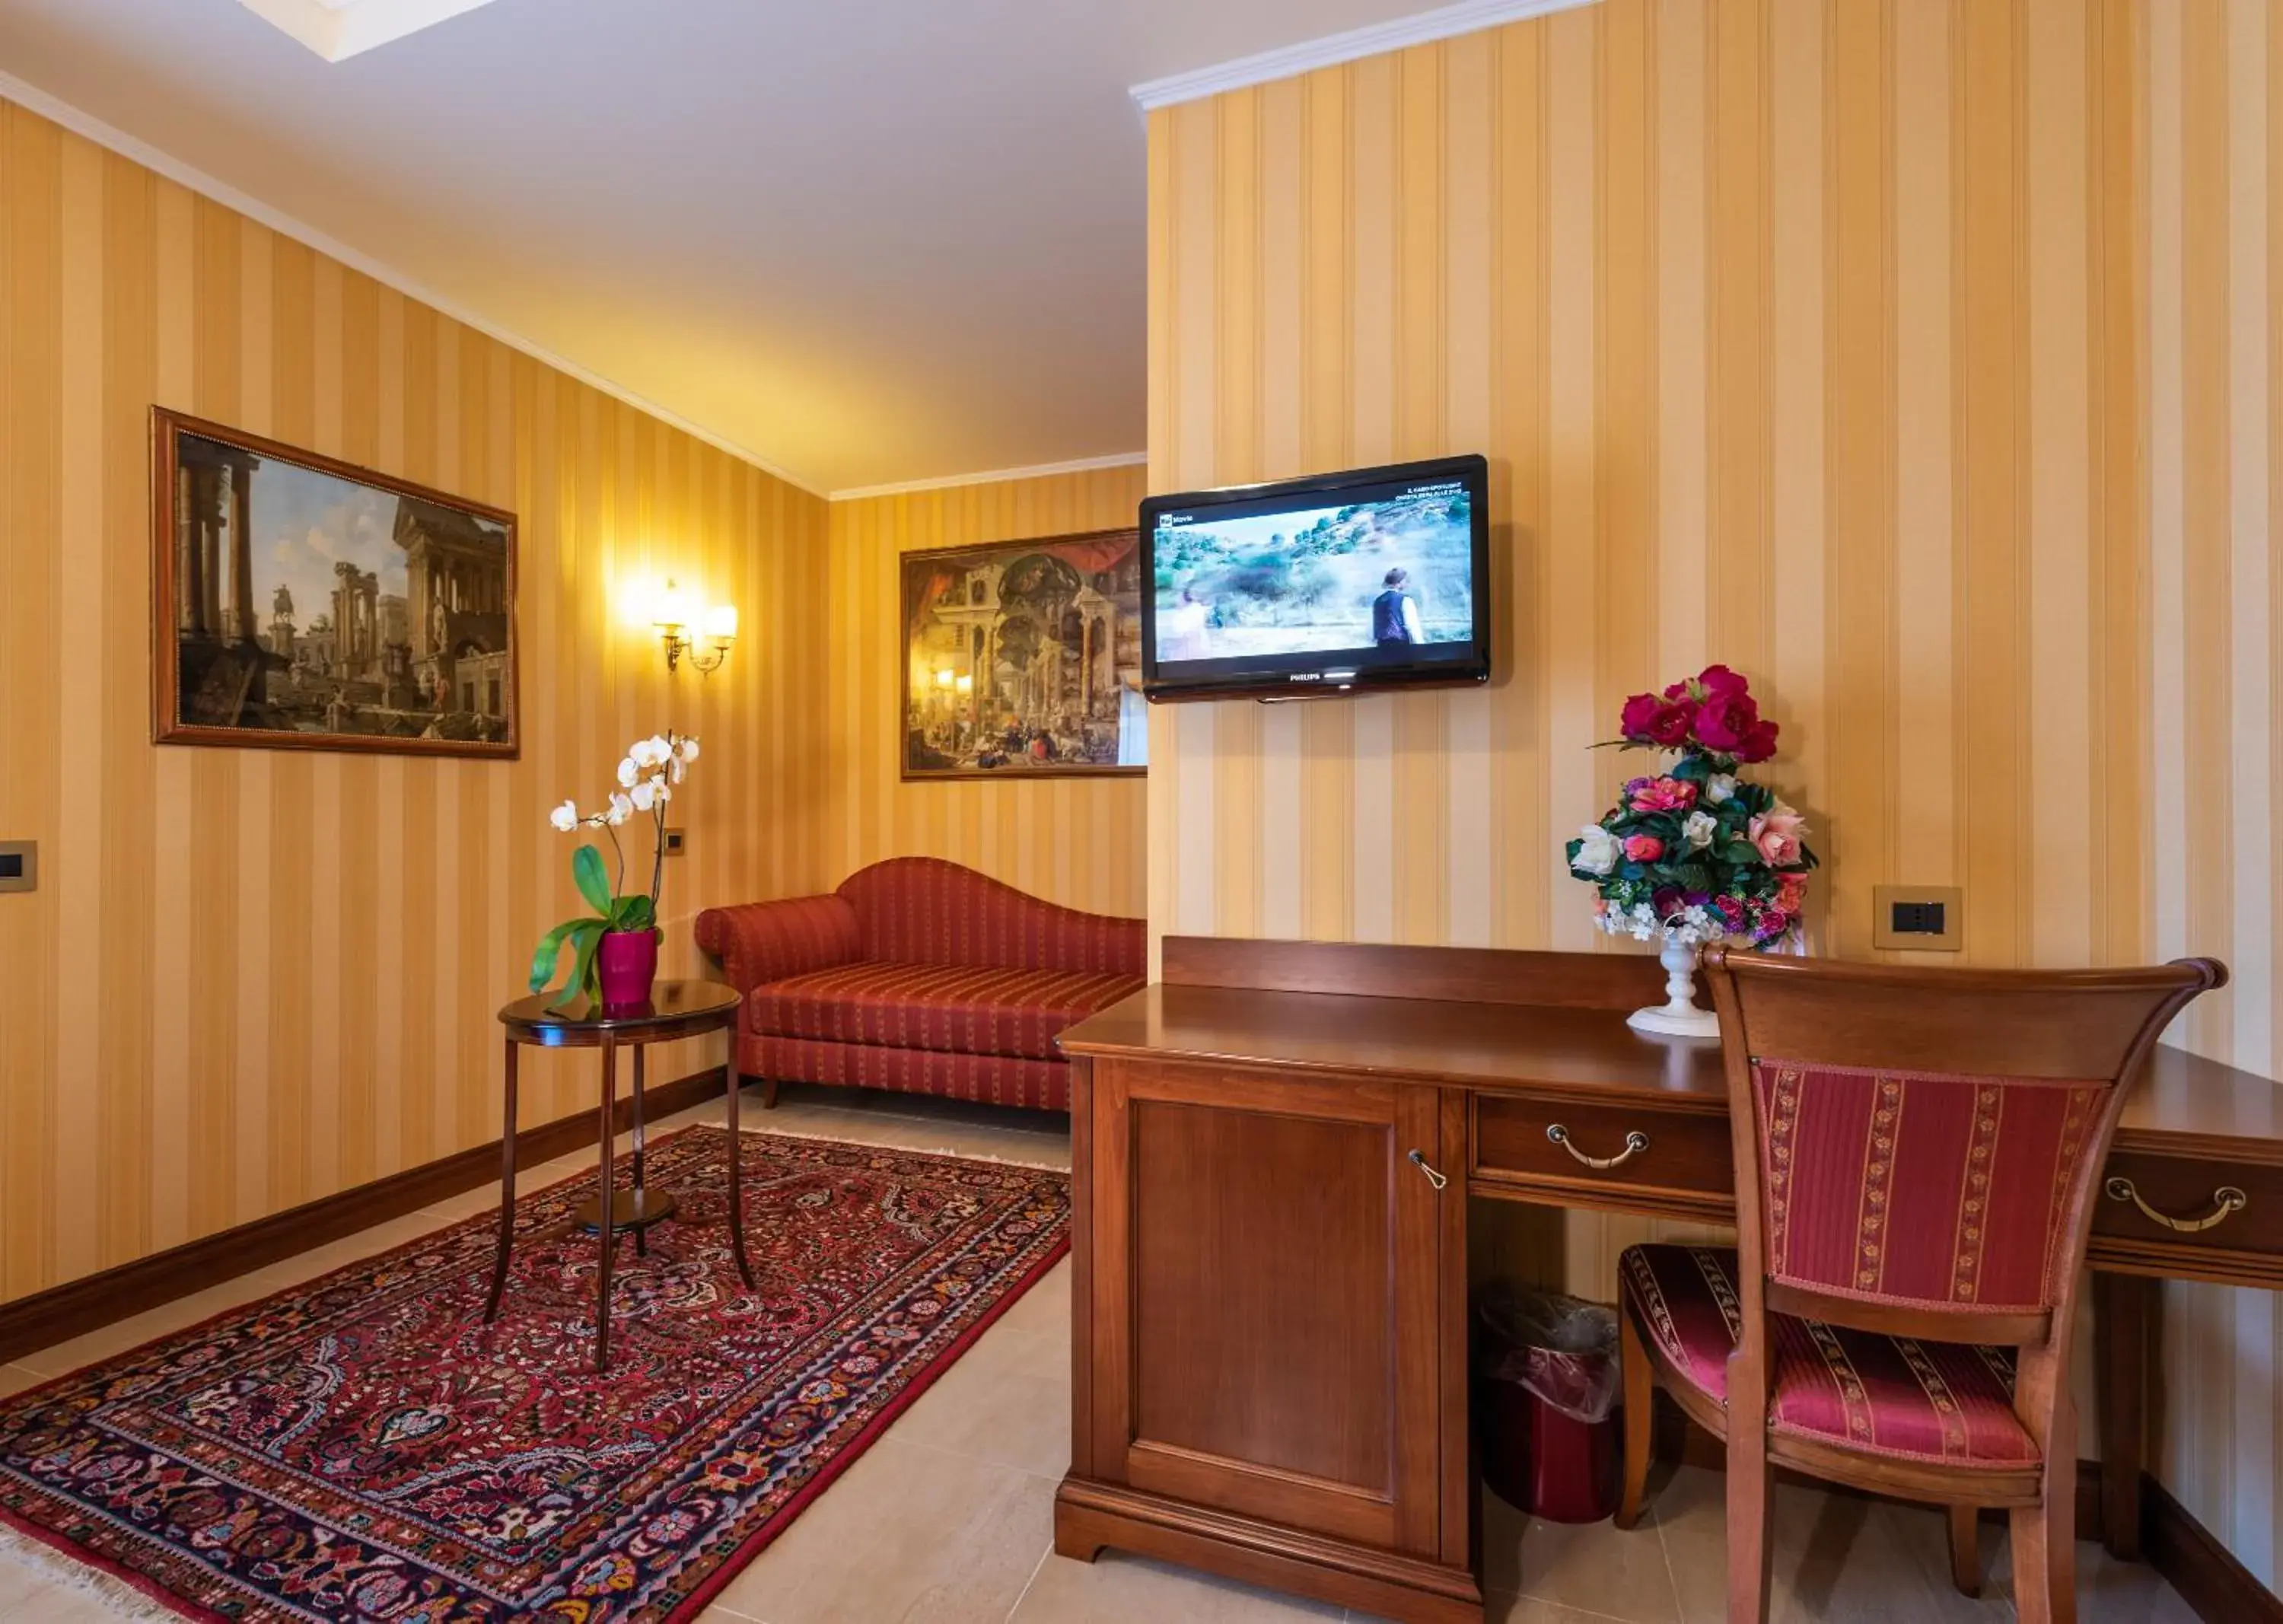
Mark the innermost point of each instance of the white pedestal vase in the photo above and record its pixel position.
(1678, 1015)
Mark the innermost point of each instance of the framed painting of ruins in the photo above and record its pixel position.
(1023, 660)
(303, 603)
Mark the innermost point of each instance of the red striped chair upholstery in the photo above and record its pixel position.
(921, 976)
(1916, 1156)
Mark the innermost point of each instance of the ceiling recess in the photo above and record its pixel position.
(337, 29)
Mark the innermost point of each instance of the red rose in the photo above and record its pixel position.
(1721, 681)
(1671, 725)
(1759, 744)
(1641, 711)
(1724, 721)
(1644, 847)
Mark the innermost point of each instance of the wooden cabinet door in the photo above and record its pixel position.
(1267, 1292)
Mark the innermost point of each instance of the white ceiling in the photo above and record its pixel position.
(865, 240)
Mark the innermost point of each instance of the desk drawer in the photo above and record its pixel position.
(1659, 1159)
(2237, 1245)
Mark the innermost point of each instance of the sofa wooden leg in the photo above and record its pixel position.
(769, 1094)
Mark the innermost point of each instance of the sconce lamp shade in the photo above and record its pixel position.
(670, 611)
(721, 624)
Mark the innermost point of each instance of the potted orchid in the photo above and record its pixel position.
(1697, 853)
(614, 950)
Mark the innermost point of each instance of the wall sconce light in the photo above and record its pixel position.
(706, 646)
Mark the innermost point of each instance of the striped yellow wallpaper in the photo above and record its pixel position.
(1917, 356)
(1077, 841)
(252, 978)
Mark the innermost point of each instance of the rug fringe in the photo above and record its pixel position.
(126, 1601)
(766, 1130)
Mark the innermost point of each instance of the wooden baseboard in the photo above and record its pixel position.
(2211, 1581)
(78, 1306)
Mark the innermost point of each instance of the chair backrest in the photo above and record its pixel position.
(1917, 1150)
(924, 910)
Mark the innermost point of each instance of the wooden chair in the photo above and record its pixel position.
(1917, 1156)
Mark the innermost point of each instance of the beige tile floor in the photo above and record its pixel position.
(948, 1518)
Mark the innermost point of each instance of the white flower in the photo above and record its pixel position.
(652, 751)
(689, 750)
(645, 794)
(564, 818)
(675, 768)
(628, 772)
(1721, 786)
(1597, 851)
(622, 808)
(663, 794)
(1698, 826)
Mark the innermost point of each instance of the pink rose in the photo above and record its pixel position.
(1643, 848)
(1775, 833)
(1719, 680)
(1662, 794)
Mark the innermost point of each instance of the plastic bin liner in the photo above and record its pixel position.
(1561, 1350)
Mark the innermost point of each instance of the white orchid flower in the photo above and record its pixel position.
(622, 808)
(689, 750)
(675, 769)
(564, 818)
(629, 771)
(659, 750)
(645, 794)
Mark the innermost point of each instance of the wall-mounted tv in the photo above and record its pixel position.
(1333, 584)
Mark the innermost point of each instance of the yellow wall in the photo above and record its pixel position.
(1917, 358)
(252, 978)
(1077, 841)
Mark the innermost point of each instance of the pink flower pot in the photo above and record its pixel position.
(626, 963)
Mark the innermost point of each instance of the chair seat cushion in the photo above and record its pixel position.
(950, 1008)
(1946, 1401)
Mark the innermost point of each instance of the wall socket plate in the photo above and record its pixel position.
(19, 865)
(676, 842)
(1918, 918)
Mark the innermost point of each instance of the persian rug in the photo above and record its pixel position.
(365, 1446)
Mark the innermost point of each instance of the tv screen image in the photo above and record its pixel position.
(1341, 580)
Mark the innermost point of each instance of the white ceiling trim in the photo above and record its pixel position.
(58, 111)
(337, 29)
(1286, 61)
(1037, 471)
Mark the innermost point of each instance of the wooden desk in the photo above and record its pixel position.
(1270, 1336)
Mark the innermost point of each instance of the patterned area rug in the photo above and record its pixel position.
(365, 1446)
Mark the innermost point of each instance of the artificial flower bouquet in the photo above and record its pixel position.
(623, 929)
(1697, 853)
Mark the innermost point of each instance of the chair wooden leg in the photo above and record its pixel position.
(1966, 1549)
(2045, 1568)
(1751, 1484)
(1640, 1392)
(769, 1094)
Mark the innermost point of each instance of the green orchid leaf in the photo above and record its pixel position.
(585, 936)
(550, 948)
(593, 879)
(634, 913)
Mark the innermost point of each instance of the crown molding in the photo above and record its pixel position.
(1286, 61)
(57, 111)
(1037, 471)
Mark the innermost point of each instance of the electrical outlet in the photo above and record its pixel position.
(1926, 918)
(674, 842)
(19, 865)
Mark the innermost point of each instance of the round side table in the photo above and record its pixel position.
(676, 1010)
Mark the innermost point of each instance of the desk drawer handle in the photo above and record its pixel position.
(1635, 1143)
(1419, 1161)
(2227, 1198)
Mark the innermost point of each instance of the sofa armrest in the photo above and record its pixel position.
(761, 943)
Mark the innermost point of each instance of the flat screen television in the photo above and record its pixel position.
(1332, 584)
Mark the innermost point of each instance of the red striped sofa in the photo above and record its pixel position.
(921, 976)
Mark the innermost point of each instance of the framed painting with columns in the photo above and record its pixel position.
(300, 601)
(1023, 660)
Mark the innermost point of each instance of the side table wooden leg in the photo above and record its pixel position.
(507, 1193)
(736, 1188)
(2125, 1308)
(642, 1229)
(609, 1198)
